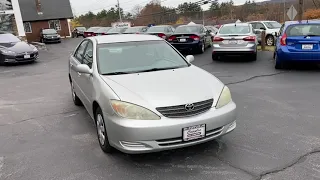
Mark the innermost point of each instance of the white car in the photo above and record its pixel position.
(271, 28)
(144, 96)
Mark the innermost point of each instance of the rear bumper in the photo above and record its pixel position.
(187, 46)
(285, 55)
(234, 51)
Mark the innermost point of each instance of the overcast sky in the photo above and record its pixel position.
(83, 6)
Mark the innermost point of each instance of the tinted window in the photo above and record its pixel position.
(188, 29)
(81, 28)
(49, 31)
(303, 30)
(232, 29)
(259, 26)
(8, 38)
(104, 29)
(80, 51)
(93, 29)
(137, 56)
(116, 30)
(88, 55)
(157, 29)
(133, 30)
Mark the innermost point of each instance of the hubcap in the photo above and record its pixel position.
(269, 41)
(202, 47)
(101, 129)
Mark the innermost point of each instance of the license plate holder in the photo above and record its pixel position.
(183, 40)
(232, 41)
(27, 56)
(194, 132)
(307, 46)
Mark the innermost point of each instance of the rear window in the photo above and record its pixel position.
(93, 29)
(187, 29)
(303, 30)
(116, 30)
(234, 29)
(104, 29)
(133, 29)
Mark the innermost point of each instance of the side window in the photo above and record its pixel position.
(80, 51)
(259, 26)
(88, 55)
(254, 25)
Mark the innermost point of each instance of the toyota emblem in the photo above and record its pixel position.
(189, 107)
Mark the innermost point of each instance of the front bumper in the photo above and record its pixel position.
(52, 39)
(187, 46)
(140, 136)
(20, 58)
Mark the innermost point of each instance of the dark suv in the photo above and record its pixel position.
(78, 31)
(49, 35)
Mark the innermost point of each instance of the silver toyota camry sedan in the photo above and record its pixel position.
(144, 96)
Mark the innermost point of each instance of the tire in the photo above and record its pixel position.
(102, 131)
(253, 57)
(75, 98)
(202, 48)
(270, 40)
(215, 57)
(278, 64)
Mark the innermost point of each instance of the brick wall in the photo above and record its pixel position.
(38, 25)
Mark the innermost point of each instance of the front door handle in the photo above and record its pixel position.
(79, 74)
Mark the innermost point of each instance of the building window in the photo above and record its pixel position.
(27, 27)
(55, 24)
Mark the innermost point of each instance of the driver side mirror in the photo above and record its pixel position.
(262, 28)
(190, 58)
(83, 68)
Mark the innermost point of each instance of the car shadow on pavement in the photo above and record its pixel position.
(20, 64)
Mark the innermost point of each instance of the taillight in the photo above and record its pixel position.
(137, 33)
(216, 38)
(94, 34)
(171, 38)
(163, 36)
(283, 40)
(103, 33)
(194, 37)
(250, 38)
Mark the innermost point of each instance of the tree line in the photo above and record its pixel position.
(155, 13)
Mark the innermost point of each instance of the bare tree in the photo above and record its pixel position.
(136, 10)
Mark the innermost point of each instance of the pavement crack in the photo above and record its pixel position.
(291, 164)
(33, 118)
(255, 77)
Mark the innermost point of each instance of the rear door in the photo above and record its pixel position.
(303, 38)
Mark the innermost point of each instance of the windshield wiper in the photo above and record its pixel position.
(158, 69)
(116, 73)
(311, 35)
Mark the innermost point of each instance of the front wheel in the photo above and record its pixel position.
(75, 98)
(270, 40)
(102, 132)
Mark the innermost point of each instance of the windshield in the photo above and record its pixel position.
(116, 30)
(8, 38)
(187, 29)
(49, 31)
(133, 29)
(272, 25)
(232, 29)
(156, 29)
(303, 30)
(137, 56)
(104, 29)
(93, 29)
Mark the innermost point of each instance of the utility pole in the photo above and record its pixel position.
(300, 10)
(284, 11)
(119, 12)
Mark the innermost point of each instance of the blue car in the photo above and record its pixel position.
(297, 42)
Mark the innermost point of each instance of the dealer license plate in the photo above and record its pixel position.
(183, 40)
(194, 132)
(27, 56)
(307, 46)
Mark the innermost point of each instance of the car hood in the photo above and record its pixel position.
(167, 87)
(18, 47)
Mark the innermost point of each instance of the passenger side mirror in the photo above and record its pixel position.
(262, 28)
(83, 68)
(190, 58)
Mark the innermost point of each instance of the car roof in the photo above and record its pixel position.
(303, 22)
(137, 26)
(121, 38)
(188, 25)
(233, 24)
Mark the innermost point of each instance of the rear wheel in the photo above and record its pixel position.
(253, 57)
(278, 63)
(215, 57)
(102, 131)
(202, 48)
(270, 40)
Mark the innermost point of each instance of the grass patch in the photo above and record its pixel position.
(268, 48)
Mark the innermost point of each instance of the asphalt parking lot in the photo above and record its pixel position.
(44, 136)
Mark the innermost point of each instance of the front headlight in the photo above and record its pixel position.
(35, 49)
(8, 52)
(225, 97)
(58, 36)
(132, 111)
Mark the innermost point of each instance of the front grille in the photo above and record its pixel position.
(20, 57)
(178, 140)
(181, 111)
